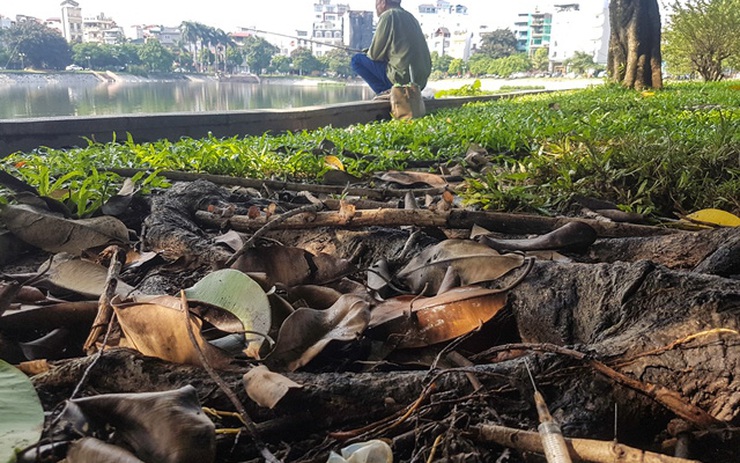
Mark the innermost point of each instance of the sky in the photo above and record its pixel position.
(283, 16)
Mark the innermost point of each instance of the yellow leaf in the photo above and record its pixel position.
(647, 94)
(333, 162)
(715, 217)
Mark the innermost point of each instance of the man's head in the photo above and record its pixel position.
(382, 5)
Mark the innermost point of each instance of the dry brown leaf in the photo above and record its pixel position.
(54, 233)
(90, 449)
(292, 266)
(166, 427)
(411, 321)
(267, 388)
(157, 328)
(306, 332)
(472, 262)
(314, 296)
(82, 276)
(410, 178)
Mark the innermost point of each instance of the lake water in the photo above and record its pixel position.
(50, 99)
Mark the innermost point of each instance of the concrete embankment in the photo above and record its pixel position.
(63, 132)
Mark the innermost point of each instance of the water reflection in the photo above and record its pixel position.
(52, 99)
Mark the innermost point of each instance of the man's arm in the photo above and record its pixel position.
(381, 44)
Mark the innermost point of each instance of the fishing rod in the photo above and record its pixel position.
(341, 47)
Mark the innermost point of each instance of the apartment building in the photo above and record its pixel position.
(101, 29)
(72, 21)
(580, 27)
(447, 27)
(327, 26)
(533, 31)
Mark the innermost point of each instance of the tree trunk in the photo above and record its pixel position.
(634, 47)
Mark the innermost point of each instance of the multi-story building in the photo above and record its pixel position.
(580, 27)
(170, 37)
(56, 24)
(533, 31)
(358, 29)
(72, 21)
(327, 26)
(101, 29)
(447, 28)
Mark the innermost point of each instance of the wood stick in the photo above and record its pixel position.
(105, 309)
(582, 449)
(377, 194)
(515, 224)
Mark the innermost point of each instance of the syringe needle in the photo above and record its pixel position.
(553, 443)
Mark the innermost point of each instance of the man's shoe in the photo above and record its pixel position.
(383, 96)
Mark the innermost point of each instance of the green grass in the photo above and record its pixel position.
(674, 150)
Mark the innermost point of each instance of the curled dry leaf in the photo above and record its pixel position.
(410, 178)
(166, 427)
(292, 266)
(306, 332)
(573, 235)
(157, 328)
(82, 276)
(267, 388)
(54, 233)
(90, 449)
(411, 321)
(472, 263)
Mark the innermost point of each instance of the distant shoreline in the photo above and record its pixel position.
(90, 77)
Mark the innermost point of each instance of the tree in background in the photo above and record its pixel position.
(541, 59)
(440, 63)
(280, 64)
(304, 61)
(36, 45)
(337, 61)
(156, 57)
(234, 59)
(580, 63)
(634, 45)
(457, 67)
(127, 55)
(498, 44)
(94, 55)
(4, 51)
(258, 53)
(703, 36)
(509, 65)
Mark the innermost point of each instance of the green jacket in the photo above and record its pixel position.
(399, 41)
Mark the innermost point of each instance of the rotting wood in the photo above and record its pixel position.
(515, 224)
(223, 180)
(583, 449)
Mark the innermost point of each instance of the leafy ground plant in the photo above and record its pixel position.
(674, 150)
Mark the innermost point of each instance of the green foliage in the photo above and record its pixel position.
(498, 44)
(653, 152)
(441, 63)
(156, 57)
(280, 63)
(480, 65)
(541, 59)
(304, 61)
(258, 53)
(36, 45)
(337, 61)
(473, 89)
(457, 67)
(702, 37)
(580, 63)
